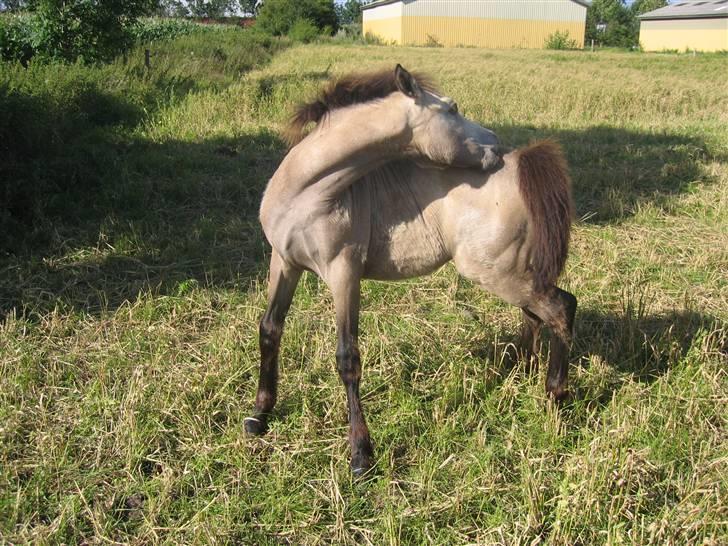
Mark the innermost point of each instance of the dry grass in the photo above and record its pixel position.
(128, 345)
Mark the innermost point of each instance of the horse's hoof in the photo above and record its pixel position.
(255, 426)
(361, 473)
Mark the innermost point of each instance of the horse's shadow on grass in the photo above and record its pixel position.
(161, 219)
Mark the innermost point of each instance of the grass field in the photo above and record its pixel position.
(134, 278)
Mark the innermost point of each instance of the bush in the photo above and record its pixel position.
(16, 38)
(87, 31)
(278, 16)
(373, 39)
(304, 31)
(350, 31)
(82, 30)
(432, 41)
(560, 40)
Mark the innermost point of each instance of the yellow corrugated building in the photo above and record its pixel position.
(699, 25)
(479, 23)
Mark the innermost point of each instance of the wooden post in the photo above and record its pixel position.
(147, 54)
(592, 45)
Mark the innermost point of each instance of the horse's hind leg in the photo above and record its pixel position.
(281, 287)
(345, 286)
(557, 309)
(530, 330)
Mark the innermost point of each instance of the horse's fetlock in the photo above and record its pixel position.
(363, 446)
(265, 400)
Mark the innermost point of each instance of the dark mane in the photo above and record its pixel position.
(345, 91)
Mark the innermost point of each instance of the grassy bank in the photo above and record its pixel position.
(134, 278)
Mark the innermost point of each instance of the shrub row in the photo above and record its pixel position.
(22, 37)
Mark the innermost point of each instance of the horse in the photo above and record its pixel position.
(505, 224)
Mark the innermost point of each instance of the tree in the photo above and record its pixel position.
(249, 7)
(171, 8)
(278, 16)
(639, 7)
(643, 6)
(211, 8)
(16, 5)
(86, 29)
(620, 23)
(349, 12)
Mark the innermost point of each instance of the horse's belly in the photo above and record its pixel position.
(408, 249)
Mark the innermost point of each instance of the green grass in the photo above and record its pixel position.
(134, 278)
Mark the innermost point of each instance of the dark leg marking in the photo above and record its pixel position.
(345, 288)
(348, 363)
(557, 310)
(282, 285)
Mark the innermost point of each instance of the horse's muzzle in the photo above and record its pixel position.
(492, 157)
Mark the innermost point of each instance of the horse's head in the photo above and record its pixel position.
(441, 133)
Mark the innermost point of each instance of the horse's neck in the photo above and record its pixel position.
(345, 146)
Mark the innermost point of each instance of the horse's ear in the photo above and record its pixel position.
(406, 83)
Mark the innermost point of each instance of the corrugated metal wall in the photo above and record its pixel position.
(384, 21)
(489, 33)
(481, 23)
(533, 10)
(682, 34)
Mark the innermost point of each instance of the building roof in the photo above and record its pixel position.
(689, 10)
(376, 3)
(379, 3)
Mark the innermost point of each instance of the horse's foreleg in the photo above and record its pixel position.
(530, 331)
(281, 287)
(557, 310)
(345, 288)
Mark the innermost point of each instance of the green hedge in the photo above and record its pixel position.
(21, 35)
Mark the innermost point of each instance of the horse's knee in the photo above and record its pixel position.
(269, 333)
(566, 323)
(348, 362)
(557, 310)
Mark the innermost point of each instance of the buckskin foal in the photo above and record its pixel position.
(385, 207)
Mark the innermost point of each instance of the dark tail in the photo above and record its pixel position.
(545, 185)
